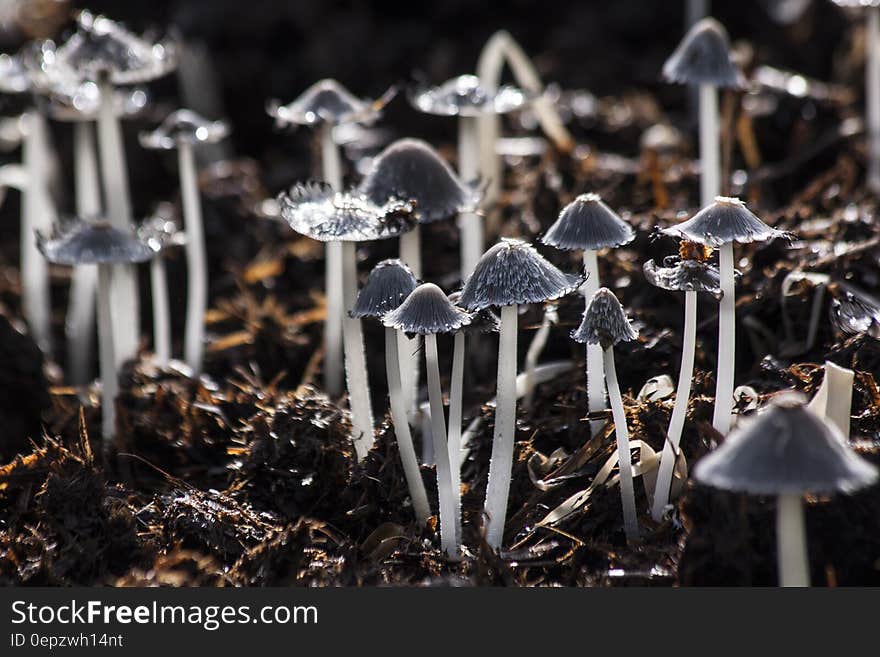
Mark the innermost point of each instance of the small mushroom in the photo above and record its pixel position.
(703, 60)
(587, 223)
(426, 312)
(605, 323)
(786, 451)
(510, 274)
(184, 130)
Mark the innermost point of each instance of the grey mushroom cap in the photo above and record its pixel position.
(184, 127)
(466, 96)
(482, 321)
(605, 322)
(315, 210)
(387, 286)
(854, 315)
(857, 4)
(410, 170)
(14, 76)
(160, 231)
(93, 243)
(427, 310)
(785, 450)
(513, 273)
(726, 220)
(684, 276)
(588, 223)
(327, 101)
(703, 57)
(81, 101)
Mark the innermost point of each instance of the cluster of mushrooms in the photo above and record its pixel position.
(92, 79)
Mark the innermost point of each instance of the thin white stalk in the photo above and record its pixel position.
(453, 442)
(196, 260)
(411, 256)
(114, 174)
(161, 312)
(679, 411)
(331, 167)
(595, 368)
(427, 441)
(536, 347)
(710, 145)
(621, 432)
(872, 91)
(791, 542)
(501, 463)
(107, 359)
(36, 215)
(441, 454)
(355, 358)
(726, 341)
(411, 251)
(833, 401)
(470, 225)
(401, 429)
(80, 321)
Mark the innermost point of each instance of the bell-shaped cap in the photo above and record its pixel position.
(513, 273)
(81, 101)
(854, 314)
(703, 57)
(465, 96)
(785, 450)
(587, 223)
(327, 101)
(160, 231)
(684, 276)
(14, 76)
(427, 311)
(725, 220)
(93, 243)
(387, 286)
(184, 127)
(410, 170)
(316, 211)
(605, 322)
(482, 321)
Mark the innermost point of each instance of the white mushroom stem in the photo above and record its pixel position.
(107, 357)
(710, 145)
(80, 321)
(196, 260)
(872, 91)
(679, 411)
(470, 225)
(726, 342)
(36, 215)
(441, 454)
(332, 172)
(401, 429)
(161, 312)
(501, 463)
(536, 347)
(411, 256)
(834, 399)
(114, 174)
(595, 367)
(355, 358)
(621, 432)
(453, 442)
(791, 542)
(410, 251)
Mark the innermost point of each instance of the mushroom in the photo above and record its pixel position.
(689, 274)
(99, 243)
(465, 98)
(387, 286)
(427, 312)
(703, 59)
(718, 226)
(588, 223)
(786, 451)
(328, 105)
(510, 274)
(605, 323)
(318, 212)
(184, 130)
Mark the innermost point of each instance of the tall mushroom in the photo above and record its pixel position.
(703, 60)
(689, 274)
(719, 225)
(587, 223)
(326, 105)
(387, 286)
(184, 130)
(427, 312)
(605, 323)
(786, 451)
(510, 274)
